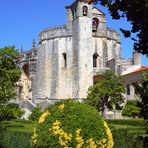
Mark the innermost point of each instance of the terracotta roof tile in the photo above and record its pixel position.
(142, 68)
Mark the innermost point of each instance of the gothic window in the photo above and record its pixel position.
(128, 89)
(95, 23)
(26, 69)
(95, 57)
(75, 13)
(65, 59)
(135, 87)
(85, 10)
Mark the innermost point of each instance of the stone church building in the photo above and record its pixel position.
(72, 57)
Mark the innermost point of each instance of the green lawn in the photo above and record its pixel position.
(21, 125)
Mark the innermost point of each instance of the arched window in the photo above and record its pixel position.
(95, 57)
(95, 23)
(128, 89)
(26, 69)
(85, 10)
(65, 59)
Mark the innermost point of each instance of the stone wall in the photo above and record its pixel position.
(75, 43)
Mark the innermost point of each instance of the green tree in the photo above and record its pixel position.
(135, 11)
(9, 74)
(106, 93)
(143, 93)
(131, 108)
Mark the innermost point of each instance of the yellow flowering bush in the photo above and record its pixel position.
(43, 116)
(61, 107)
(109, 134)
(79, 139)
(70, 124)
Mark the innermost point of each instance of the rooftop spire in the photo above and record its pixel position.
(33, 44)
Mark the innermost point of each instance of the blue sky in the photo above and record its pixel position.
(22, 20)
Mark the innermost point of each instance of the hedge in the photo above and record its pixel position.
(16, 139)
(130, 122)
(126, 133)
(16, 134)
(124, 139)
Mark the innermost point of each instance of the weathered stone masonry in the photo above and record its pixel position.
(71, 58)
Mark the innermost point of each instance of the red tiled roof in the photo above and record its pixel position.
(142, 68)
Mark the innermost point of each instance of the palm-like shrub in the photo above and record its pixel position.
(71, 124)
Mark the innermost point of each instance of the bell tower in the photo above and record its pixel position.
(82, 44)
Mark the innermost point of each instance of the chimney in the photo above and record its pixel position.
(136, 58)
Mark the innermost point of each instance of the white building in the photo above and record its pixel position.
(71, 58)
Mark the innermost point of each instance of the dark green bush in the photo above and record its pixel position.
(10, 111)
(71, 124)
(124, 139)
(36, 113)
(16, 134)
(16, 139)
(131, 109)
(130, 122)
(126, 133)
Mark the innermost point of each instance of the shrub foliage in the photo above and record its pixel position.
(16, 133)
(127, 122)
(9, 74)
(36, 113)
(71, 124)
(10, 111)
(131, 109)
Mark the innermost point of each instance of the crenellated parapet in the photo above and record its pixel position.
(54, 32)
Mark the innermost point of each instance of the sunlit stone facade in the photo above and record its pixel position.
(73, 57)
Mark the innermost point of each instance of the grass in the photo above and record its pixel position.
(16, 133)
(132, 128)
(20, 125)
(28, 126)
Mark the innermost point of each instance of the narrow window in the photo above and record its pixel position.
(95, 57)
(65, 59)
(85, 10)
(95, 23)
(135, 88)
(128, 89)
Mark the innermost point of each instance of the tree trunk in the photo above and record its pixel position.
(103, 112)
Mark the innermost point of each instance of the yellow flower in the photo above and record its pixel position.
(79, 145)
(103, 140)
(57, 123)
(110, 137)
(55, 127)
(61, 107)
(41, 120)
(91, 143)
(43, 116)
(64, 138)
(61, 142)
(78, 131)
(79, 138)
(34, 137)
